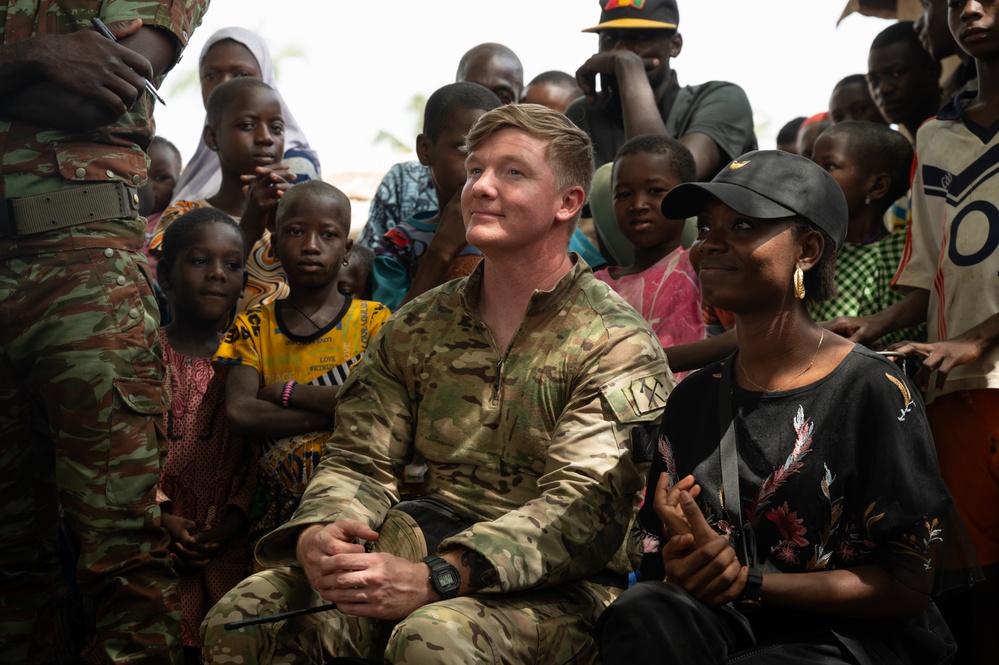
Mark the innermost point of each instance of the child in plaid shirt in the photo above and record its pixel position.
(871, 163)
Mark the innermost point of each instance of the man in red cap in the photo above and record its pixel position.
(640, 94)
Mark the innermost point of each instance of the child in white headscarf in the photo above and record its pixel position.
(229, 53)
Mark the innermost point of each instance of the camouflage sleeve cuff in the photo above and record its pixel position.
(278, 548)
(178, 17)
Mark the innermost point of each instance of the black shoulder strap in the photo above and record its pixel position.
(728, 452)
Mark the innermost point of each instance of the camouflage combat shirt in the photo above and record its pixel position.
(534, 445)
(35, 159)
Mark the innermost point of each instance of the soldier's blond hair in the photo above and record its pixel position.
(569, 151)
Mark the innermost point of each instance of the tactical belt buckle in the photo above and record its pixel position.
(69, 207)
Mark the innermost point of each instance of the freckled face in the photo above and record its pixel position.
(509, 201)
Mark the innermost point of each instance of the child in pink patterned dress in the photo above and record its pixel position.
(206, 483)
(661, 283)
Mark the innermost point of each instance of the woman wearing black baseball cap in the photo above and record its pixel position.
(795, 512)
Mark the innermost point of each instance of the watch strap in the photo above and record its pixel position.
(752, 593)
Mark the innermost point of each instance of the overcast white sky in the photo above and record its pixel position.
(362, 62)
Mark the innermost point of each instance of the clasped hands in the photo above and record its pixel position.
(696, 557)
(376, 585)
(192, 545)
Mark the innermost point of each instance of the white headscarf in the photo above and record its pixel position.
(202, 177)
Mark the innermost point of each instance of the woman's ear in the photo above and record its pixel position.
(813, 244)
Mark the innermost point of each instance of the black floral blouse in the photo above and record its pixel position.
(836, 474)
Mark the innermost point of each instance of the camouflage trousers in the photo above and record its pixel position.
(81, 400)
(545, 626)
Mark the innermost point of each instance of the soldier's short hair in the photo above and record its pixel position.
(569, 151)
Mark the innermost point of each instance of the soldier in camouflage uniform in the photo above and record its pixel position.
(80, 372)
(522, 387)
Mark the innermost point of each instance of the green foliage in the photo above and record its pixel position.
(416, 105)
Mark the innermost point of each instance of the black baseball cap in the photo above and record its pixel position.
(768, 184)
(642, 14)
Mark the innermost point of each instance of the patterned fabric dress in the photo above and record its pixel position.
(667, 295)
(206, 473)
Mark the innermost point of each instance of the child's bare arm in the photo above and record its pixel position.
(318, 399)
(959, 350)
(448, 241)
(688, 357)
(251, 415)
(910, 311)
(639, 106)
(263, 192)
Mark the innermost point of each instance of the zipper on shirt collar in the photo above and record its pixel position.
(499, 377)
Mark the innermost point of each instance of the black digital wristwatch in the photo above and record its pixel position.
(444, 577)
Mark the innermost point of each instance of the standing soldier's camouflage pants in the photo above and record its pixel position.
(546, 626)
(80, 402)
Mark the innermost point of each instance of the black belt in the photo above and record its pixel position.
(436, 519)
(68, 207)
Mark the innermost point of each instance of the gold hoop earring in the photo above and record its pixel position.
(799, 284)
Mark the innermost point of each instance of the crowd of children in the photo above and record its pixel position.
(268, 303)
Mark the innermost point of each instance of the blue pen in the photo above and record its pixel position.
(103, 29)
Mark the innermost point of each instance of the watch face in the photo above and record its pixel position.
(443, 577)
(448, 578)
